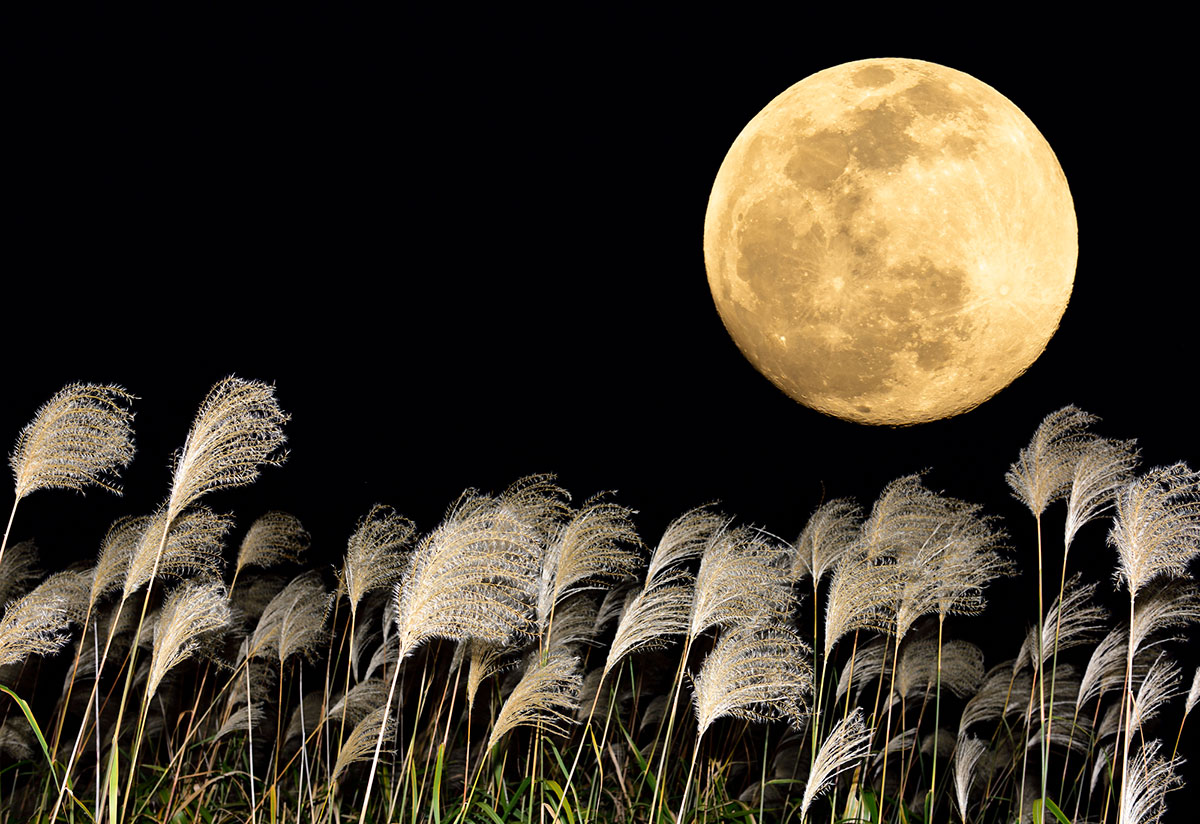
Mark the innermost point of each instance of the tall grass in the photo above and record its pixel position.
(530, 660)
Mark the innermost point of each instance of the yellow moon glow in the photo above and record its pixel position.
(891, 241)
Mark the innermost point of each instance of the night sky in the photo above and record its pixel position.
(468, 249)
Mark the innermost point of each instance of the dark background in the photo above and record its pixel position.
(469, 248)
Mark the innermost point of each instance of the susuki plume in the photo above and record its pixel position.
(1070, 623)
(238, 429)
(742, 576)
(293, 621)
(19, 570)
(360, 743)
(81, 437)
(1149, 780)
(1157, 527)
(1045, 469)
(119, 545)
(755, 673)
(190, 610)
(33, 625)
(475, 575)
(1103, 467)
(274, 538)
(966, 758)
(847, 744)
(596, 542)
(376, 552)
(192, 547)
(829, 534)
(547, 695)
(1160, 685)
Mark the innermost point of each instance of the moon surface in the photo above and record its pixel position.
(891, 241)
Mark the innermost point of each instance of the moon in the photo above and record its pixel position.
(891, 242)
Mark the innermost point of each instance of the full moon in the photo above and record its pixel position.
(891, 242)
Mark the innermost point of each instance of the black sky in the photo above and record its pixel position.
(469, 248)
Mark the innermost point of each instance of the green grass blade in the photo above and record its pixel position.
(1056, 812)
(24, 705)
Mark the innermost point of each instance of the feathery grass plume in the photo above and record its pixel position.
(1145, 787)
(81, 437)
(20, 570)
(574, 623)
(360, 743)
(660, 610)
(868, 661)
(238, 429)
(192, 546)
(1044, 470)
(294, 607)
(1193, 696)
(116, 551)
(302, 622)
(475, 575)
(359, 702)
(274, 538)
(547, 695)
(1157, 526)
(1001, 695)
(33, 625)
(1105, 669)
(251, 715)
(742, 577)
(1073, 732)
(1160, 685)
(966, 759)
(829, 534)
(376, 552)
(190, 611)
(847, 744)
(755, 672)
(486, 661)
(613, 602)
(250, 599)
(1103, 467)
(962, 667)
(599, 541)
(1174, 603)
(308, 713)
(663, 606)
(1079, 618)
(904, 516)
(74, 585)
(863, 594)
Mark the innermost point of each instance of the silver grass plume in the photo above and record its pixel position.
(904, 516)
(546, 695)
(306, 716)
(33, 625)
(1105, 669)
(962, 667)
(1074, 732)
(1157, 526)
(189, 612)
(1160, 685)
(376, 553)
(20, 570)
(1073, 622)
(755, 672)
(1144, 789)
(81, 437)
(1104, 467)
(116, 551)
(655, 613)
(574, 623)
(847, 744)
(742, 577)
(1001, 695)
(251, 715)
(869, 659)
(597, 542)
(829, 534)
(966, 759)
(74, 585)
(662, 607)
(250, 599)
(192, 547)
(274, 538)
(359, 702)
(1174, 604)
(360, 743)
(486, 661)
(474, 576)
(1044, 470)
(1193, 696)
(238, 429)
(287, 623)
(863, 595)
